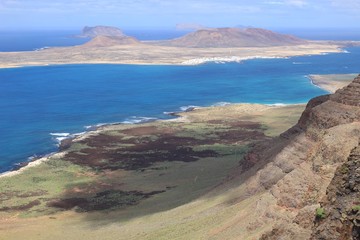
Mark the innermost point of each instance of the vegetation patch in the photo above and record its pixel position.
(320, 213)
(22, 207)
(356, 208)
(109, 199)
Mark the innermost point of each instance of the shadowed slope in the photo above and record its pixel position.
(295, 177)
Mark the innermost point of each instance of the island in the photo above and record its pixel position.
(109, 45)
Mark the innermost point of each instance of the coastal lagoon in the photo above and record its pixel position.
(42, 105)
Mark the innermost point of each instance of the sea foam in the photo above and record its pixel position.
(137, 120)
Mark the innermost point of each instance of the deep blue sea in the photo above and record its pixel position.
(11, 41)
(39, 105)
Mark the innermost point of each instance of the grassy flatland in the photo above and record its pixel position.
(148, 181)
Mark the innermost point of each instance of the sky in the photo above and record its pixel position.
(153, 14)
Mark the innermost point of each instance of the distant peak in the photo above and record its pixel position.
(91, 32)
(189, 26)
(235, 37)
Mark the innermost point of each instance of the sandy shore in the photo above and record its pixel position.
(31, 164)
(332, 82)
(146, 54)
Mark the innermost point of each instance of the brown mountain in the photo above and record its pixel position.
(104, 36)
(91, 32)
(234, 37)
(306, 182)
(108, 41)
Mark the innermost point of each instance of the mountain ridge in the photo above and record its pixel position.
(233, 37)
(296, 170)
(201, 38)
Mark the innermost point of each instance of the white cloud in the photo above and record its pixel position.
(297, 3)
(293, 3)
(134, 6)
(351, 5)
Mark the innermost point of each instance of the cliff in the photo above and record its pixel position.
(340, 208)
(234, 37)
(310, 169)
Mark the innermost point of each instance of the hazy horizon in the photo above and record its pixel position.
(161, 14)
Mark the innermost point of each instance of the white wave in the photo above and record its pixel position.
(90, 127)
(40, 49)
(187, 108)
(169, 113)
(277, 104)
(136, 120)
(77, 134)
(31, 158)
(59, 139)
(60, 134)
(221, 104)
(301, 63)
(197, 61)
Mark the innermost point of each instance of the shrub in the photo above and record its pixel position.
(320, 213)
(356, 208)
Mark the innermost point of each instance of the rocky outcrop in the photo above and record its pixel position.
(293, 176)
(104, 36)
(234, 37)
(349, 95)
(341, 206)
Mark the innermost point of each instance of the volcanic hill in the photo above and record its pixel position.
(233, 37)
(91, 32)
(104, 36)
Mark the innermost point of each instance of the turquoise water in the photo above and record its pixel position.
(39, 105)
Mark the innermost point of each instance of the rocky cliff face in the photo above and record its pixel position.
(341, 205)
(312, 167)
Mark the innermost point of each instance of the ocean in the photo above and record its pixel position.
(42, 105)
(12, 41)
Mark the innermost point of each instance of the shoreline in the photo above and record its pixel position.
(180, 116)
(190, 62)
(145, 54)
(331, 82)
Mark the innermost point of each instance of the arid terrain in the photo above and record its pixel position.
(232, 172)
